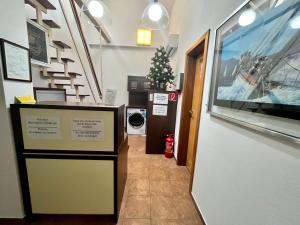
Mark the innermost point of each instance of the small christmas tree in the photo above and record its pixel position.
(161, 73)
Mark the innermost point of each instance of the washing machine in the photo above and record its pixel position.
(136, 120)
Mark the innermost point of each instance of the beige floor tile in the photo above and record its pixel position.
(185, 207)
(138, 187)
(161, 187)
(179, 173)
(162, 207)
(175, 222)
(136, 222)
(137, 207)
(180, 188)
(158, 174)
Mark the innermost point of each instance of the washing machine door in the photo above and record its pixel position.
(136, 120)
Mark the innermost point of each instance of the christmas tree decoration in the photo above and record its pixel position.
(161, 72)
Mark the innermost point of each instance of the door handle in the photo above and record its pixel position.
(191, 113)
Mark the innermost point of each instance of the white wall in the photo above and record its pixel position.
(121, 61)
(13, 28)
(241, 177)
(118, 63)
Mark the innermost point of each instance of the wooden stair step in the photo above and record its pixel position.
(80, 95)
(74, 74)
(49, 23)
(58, 77)
(77, 85)
(62, 72)
(45, 3)
(61, 44)
(65, 60)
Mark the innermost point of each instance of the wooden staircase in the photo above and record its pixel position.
(57, 79)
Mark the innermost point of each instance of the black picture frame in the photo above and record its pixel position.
(5, 66)
(38, 43)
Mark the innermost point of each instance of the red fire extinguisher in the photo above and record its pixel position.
(169, 146)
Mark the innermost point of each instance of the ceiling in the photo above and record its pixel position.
(125, 19)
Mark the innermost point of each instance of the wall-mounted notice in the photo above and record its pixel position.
(160, 110)
(88, 129)
(43, 127)
(160, 98)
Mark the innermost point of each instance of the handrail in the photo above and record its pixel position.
(76, 16)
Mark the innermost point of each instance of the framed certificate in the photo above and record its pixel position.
(15, 61)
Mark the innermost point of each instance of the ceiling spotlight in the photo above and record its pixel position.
(247, 17)
(295, 23)
(95, 8)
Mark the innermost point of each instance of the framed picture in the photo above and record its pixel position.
(15, 61)
(38, 43)
(49, 94)
(256, 69)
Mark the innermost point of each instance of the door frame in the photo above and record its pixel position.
(199, 47)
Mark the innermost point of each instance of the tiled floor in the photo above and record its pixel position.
(157, 191)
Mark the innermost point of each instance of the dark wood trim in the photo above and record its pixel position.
(76, 16)
(200, 46)
(11, 221)
(19, 146)
(3, 55)
(198, 210)
(48, 89)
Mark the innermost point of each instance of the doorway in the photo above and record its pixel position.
(192, 95)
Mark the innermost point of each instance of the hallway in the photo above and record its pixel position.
(157, 190)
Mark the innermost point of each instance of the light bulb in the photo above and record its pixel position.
(96, 8)
(155, 12)
(295, 23)
(247, 17)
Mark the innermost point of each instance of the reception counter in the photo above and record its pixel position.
(72, 158)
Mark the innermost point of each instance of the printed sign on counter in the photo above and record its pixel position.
(41, 127)
(160, 98)
(160, 110)
(88, 129)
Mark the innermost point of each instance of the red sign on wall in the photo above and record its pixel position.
(173, 97)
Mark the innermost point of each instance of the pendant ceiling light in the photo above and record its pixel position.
(155, 16)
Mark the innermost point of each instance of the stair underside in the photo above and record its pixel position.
(61, 72)
(49, 23)
(80, 95)
(65, 60)
(45, 3)
(77, 85)
(61, 44)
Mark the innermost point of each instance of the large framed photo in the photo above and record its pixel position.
(38, 43)
(15, 62)
(256, 69)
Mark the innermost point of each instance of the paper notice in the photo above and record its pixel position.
(160, 110)
(42, 127)
(88, 129)
(160, 98)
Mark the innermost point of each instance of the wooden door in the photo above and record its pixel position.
(195, 112)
